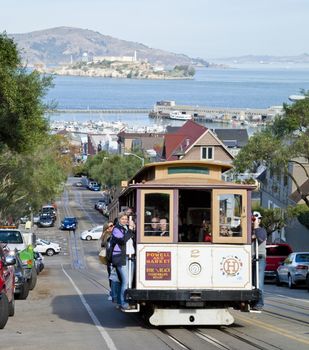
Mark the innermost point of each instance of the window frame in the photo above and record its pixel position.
(156, 239)
(216, 238)
(207, 150)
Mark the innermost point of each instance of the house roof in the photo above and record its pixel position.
(304, 188)
(233, 137)
(182, 139)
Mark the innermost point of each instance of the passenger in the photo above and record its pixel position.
(204, 234)
(106, 234)
(259, 234)
(164, 227)
(123, 252)
(155, 226)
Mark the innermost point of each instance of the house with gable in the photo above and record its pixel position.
(195, 142)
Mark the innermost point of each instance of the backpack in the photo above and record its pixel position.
(109, 246)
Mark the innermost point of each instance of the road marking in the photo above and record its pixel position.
(108, 340)
(287, 297)
(274, 329)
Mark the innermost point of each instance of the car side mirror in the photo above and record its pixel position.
(10, 260)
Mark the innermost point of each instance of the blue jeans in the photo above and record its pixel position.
(262, 265)
(123, 272)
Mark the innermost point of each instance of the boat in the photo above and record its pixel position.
(177, 115)
(295, 98)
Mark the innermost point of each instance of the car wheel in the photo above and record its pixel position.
(50, 252)
(24, 291)
(33, 279)
(278, 282)
(290, 282)
(12, 307)
(4, 310)
(88, 238)
(307, 282)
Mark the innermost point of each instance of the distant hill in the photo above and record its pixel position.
(266, 59)
(56, 46)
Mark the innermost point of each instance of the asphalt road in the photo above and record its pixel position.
(68, 309)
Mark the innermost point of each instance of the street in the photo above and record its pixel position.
(68, 308)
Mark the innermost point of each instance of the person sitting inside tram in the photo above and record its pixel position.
(164, 227)
(155, 226)
(204, 234)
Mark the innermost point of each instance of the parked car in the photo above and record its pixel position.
(100, 203)
(46, 247)
(35, 217)
(275, 255)
(69, 223)
(22, 279)
(46, 220)
(49, 210)
(94, 186)
(93, 233)
(39, 262)
(294, 270)
(7, 301)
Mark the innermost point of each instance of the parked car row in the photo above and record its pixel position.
(283, 266)
(21, 261)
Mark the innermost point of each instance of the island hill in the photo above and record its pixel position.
(121, 67)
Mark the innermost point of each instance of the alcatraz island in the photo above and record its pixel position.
(121, 67)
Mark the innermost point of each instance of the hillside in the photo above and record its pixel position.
(302, 59)
(63, 45)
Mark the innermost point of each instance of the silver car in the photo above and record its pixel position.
(294, 270)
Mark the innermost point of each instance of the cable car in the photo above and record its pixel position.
(193, 243)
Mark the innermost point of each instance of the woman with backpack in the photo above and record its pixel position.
(123, 253)
(106, 235)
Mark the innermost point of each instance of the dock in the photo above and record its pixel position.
(163, 110)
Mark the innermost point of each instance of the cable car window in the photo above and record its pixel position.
(157, 214)
(230, 207)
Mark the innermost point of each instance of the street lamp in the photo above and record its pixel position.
(135, 155)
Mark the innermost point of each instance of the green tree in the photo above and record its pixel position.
(32, 166)
(30, 179)
(279, 145)
(21, 108)
(111, 169)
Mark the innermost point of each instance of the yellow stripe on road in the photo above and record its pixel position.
(274, 329)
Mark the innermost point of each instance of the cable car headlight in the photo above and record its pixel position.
(195, 268)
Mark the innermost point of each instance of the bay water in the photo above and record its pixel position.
(236, 88)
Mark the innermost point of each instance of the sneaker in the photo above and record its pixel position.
(125, 307)
(256, 308)
(109, 298)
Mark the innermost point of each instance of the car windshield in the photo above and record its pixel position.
(69, 220)
(8, 236)
(302, 258)
(44, 241)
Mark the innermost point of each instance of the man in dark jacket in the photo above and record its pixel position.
(259, 237)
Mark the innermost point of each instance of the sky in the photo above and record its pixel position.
(197, 28)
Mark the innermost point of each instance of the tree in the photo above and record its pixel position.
(30, 179)
(32, 167)
(279, 145)
(111, 169)
(22, 120)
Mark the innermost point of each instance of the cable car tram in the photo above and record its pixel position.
(193, 243)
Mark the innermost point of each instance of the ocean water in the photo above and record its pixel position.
(235, 88)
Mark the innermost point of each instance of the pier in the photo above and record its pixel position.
(103, 111)
(199, 113)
